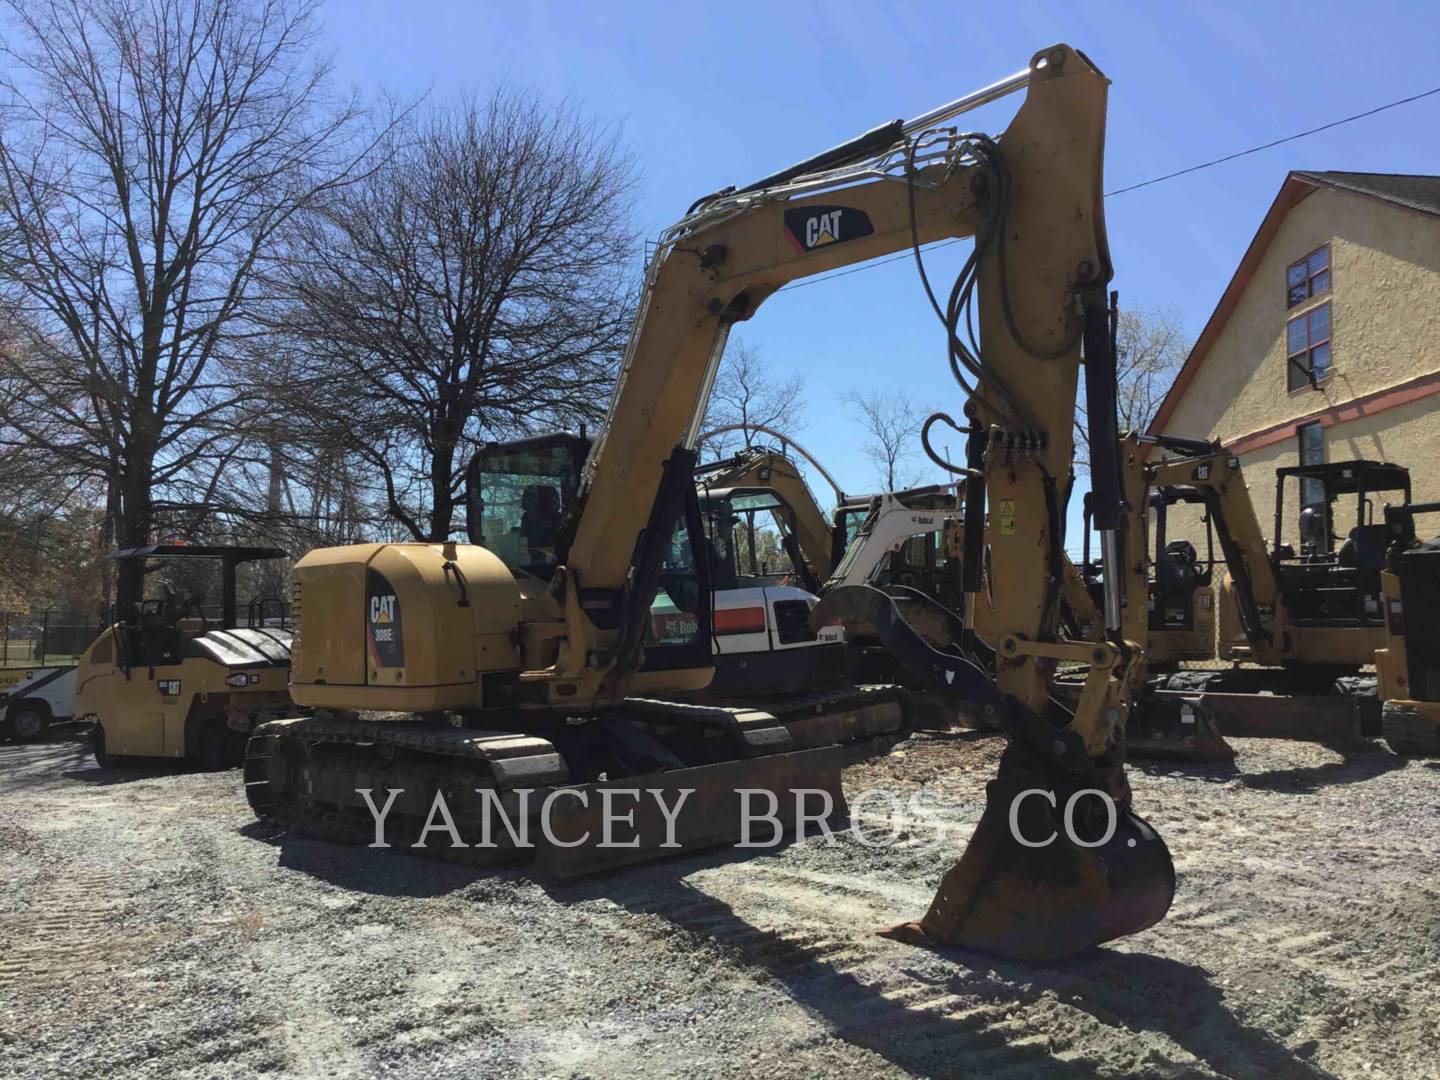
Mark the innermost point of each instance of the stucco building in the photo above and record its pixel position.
(1325, 345)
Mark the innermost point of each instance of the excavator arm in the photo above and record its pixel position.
(1033, 200)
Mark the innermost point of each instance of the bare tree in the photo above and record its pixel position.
(1150, 346)
(475, 287)
(749, 392)
(47, 521)
(891, 422)
(149, 152)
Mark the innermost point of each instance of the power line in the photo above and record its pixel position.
(1134, 187)
(1277, 142)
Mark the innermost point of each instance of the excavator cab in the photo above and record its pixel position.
(521, 502)
(744, 551)
(1334, 580)
(1180, 604)
(850, 516)
(520, 495)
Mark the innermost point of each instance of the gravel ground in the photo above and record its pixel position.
(148, 927)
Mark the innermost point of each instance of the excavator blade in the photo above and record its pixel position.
(510, 795)
(1026, 888)
(1167, 727)
(1164, 725)
(692, 809)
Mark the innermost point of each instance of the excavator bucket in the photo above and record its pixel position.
(1058, 863)
(1029, 887)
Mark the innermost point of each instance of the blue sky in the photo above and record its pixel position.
(715, 94)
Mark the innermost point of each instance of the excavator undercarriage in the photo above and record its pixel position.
(310, 772)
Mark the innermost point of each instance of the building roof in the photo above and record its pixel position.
(1418, 193)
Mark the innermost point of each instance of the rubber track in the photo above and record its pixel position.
(495, 748)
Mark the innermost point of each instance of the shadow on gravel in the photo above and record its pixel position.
(28, 765)
(57, 734)
(923, 1042)
(133, 770)
(959, 1016)
(1356, 766)
(357, 868)
(957, 734)
(1214, 771)
(1143, 992)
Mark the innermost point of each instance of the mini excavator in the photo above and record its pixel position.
(538, 666)
(1409, 664)
(1313, 619)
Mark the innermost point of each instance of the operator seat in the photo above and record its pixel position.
(1177, 573)
(1364, 550)
(160, 633)
(540, 520)
(1313, 541)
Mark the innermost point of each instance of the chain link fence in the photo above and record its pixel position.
(33, 638)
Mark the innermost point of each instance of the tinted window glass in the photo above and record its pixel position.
(526, 496)
(1307, 347)
(674, 613)
(1297, 338)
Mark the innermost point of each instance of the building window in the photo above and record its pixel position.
(1308, 277)
(1312, 452)
(1307, 348)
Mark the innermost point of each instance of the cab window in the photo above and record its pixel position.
(525, 499)
(679, 604)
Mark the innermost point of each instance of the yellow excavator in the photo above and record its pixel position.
(1305, 623)
(532, 661)
(1408, 666)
